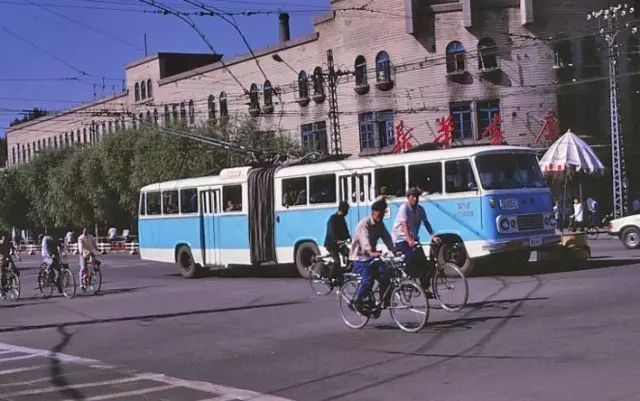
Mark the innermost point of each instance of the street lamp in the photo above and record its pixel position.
(276, 57)
(611, 21)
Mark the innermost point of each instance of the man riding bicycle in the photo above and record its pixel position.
(87, 250)
(363, 253)
(336, 237)
(405, 235)
(50, 252)
(5, 255)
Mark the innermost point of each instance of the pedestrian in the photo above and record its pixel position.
(112, 235)
(577, 218)
(592, 207)
(635, 206)
(125, 235)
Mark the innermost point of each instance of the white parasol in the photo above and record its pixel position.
(571, 151)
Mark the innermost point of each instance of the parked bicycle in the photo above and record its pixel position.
(10, 285)
(92, 280)
(408, 305)
(321, 279)
(62, 279)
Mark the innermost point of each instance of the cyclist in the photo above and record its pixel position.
(50, 253)
(337, 235)
(363, 253)
(5, 255)
(405, 235)
(86, 249)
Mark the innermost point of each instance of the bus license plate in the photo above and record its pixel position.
(508, 204)
(535, 242)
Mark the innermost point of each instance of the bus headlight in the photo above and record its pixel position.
(504, 224)
(513, 223)
(492, 203)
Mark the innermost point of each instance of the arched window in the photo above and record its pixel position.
(59, 140)
(148, 117)
(66, 139)
(167, 116)
(303, 85)
(183, 112)
(224, 108)
(143, 91)
(117, 125)
(156, 119)
(149, 89)
(318, 82)
(268, 94)
(136, 92)
(104, 128)
(487, 54)
(78, 136)
(71, 140)
(383, 67)
(254, 97)
(13, 155)
(211, 107)
(192, 113)
(84, 135)
(455, 58)
(55, 142)
(361, 71)
(174, 113)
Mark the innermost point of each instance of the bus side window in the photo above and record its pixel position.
(459, 176)
(322, 189)
(390, 182)
(153, 203)
(232, 198)
(426, 177)
(189, 200)
(143, 203)
(170, 202)
(294, 192)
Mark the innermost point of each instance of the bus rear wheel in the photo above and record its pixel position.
(453, 251)
(305, 254)
(188, 267)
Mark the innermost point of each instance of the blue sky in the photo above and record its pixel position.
(110, 34)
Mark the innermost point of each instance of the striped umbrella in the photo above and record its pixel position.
(570, 151)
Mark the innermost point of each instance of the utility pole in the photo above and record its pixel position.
(611, 22)
(334, 116)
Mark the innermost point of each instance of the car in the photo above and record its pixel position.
(627, 229)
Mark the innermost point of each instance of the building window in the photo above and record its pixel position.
(376, 129)
(143, 91)
(110, 125)
(156, 119)
(361, 71)
(78, 136)
(192, 113)
(486, 111)
(268, 95)
(303, 86)
(461, 114)
(318, 82)
(224, 109)
(167, 116)
(149, 89)
(211, 108)
(488, 54)
(455, 58)
(562, 54)
(117, 127)
(314, 137)
(136, 92)
(174, 113)
(55, 142)
(84, 135)
(13, 155)
(383, 67)
(148, 117)
(254, 100)
(183, 112)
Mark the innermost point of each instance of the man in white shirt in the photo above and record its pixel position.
(577, 218)
(112, 234)
(86, 249)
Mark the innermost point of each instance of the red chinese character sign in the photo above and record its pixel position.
(549, 130)
(494, 131)
(403, 138)
(445, 132)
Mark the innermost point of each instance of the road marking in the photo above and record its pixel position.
(8, 351)
(127, 393)
(71, 387)
(18, 358)
(55, 355)
(18, 370)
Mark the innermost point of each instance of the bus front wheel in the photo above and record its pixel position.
(188, 267)
(453, 251)
(305, 254)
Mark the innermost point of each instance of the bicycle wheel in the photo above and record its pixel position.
(409, 306)
(351, 317)
(45, 284)
(450, 287)
(319, 279)
(68, 283)
(593, 232)
(95, 281)
(13, 288)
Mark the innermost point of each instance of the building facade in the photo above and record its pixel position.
(413, 62)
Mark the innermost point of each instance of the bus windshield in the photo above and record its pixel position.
(509, 171)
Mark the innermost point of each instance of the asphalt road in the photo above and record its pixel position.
(555, 332)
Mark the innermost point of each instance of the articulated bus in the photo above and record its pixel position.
(482, 201)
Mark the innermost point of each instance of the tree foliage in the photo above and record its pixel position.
(81, 186)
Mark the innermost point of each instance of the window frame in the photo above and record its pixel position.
(284, 197)
(167, 191)
(192, 112)
(267, 93)
(318, 135)
(318, 82)
(158, 193)
(334, 187)
(149, 89)
(458, 111)
(223, 193)
(254, 97)
(183, 190)
(303, 85)
(224, 106)
(455, 55)
(136, 92)
(383, 67)
(487, 51)
(471, 164)
(400, 191)
(490, 108)
(381, 133)
(422, 165)
(360, 68)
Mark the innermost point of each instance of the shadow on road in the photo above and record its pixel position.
(56, 372)
(148, 318)
(448, 325)
(560, 266)
(275, 271)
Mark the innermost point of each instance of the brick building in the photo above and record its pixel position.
(410, 61)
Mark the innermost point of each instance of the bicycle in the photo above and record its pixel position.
(448, 284)
(92, 280)
(321, 280)
(593, 232)
(405, 296)
(10, 286)
(65, 281)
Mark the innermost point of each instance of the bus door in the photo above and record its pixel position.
(210, 201)
(356, 190)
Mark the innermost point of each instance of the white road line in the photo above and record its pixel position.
(127, 393)
(221, 398)
(48, 354)
(18, 370)
(19, 358)
(7, 351)
(70, 387)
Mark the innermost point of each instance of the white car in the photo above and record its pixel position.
(627, 229)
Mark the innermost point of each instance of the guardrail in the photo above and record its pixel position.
(105, 247)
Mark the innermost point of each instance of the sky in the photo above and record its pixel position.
(53, 53)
